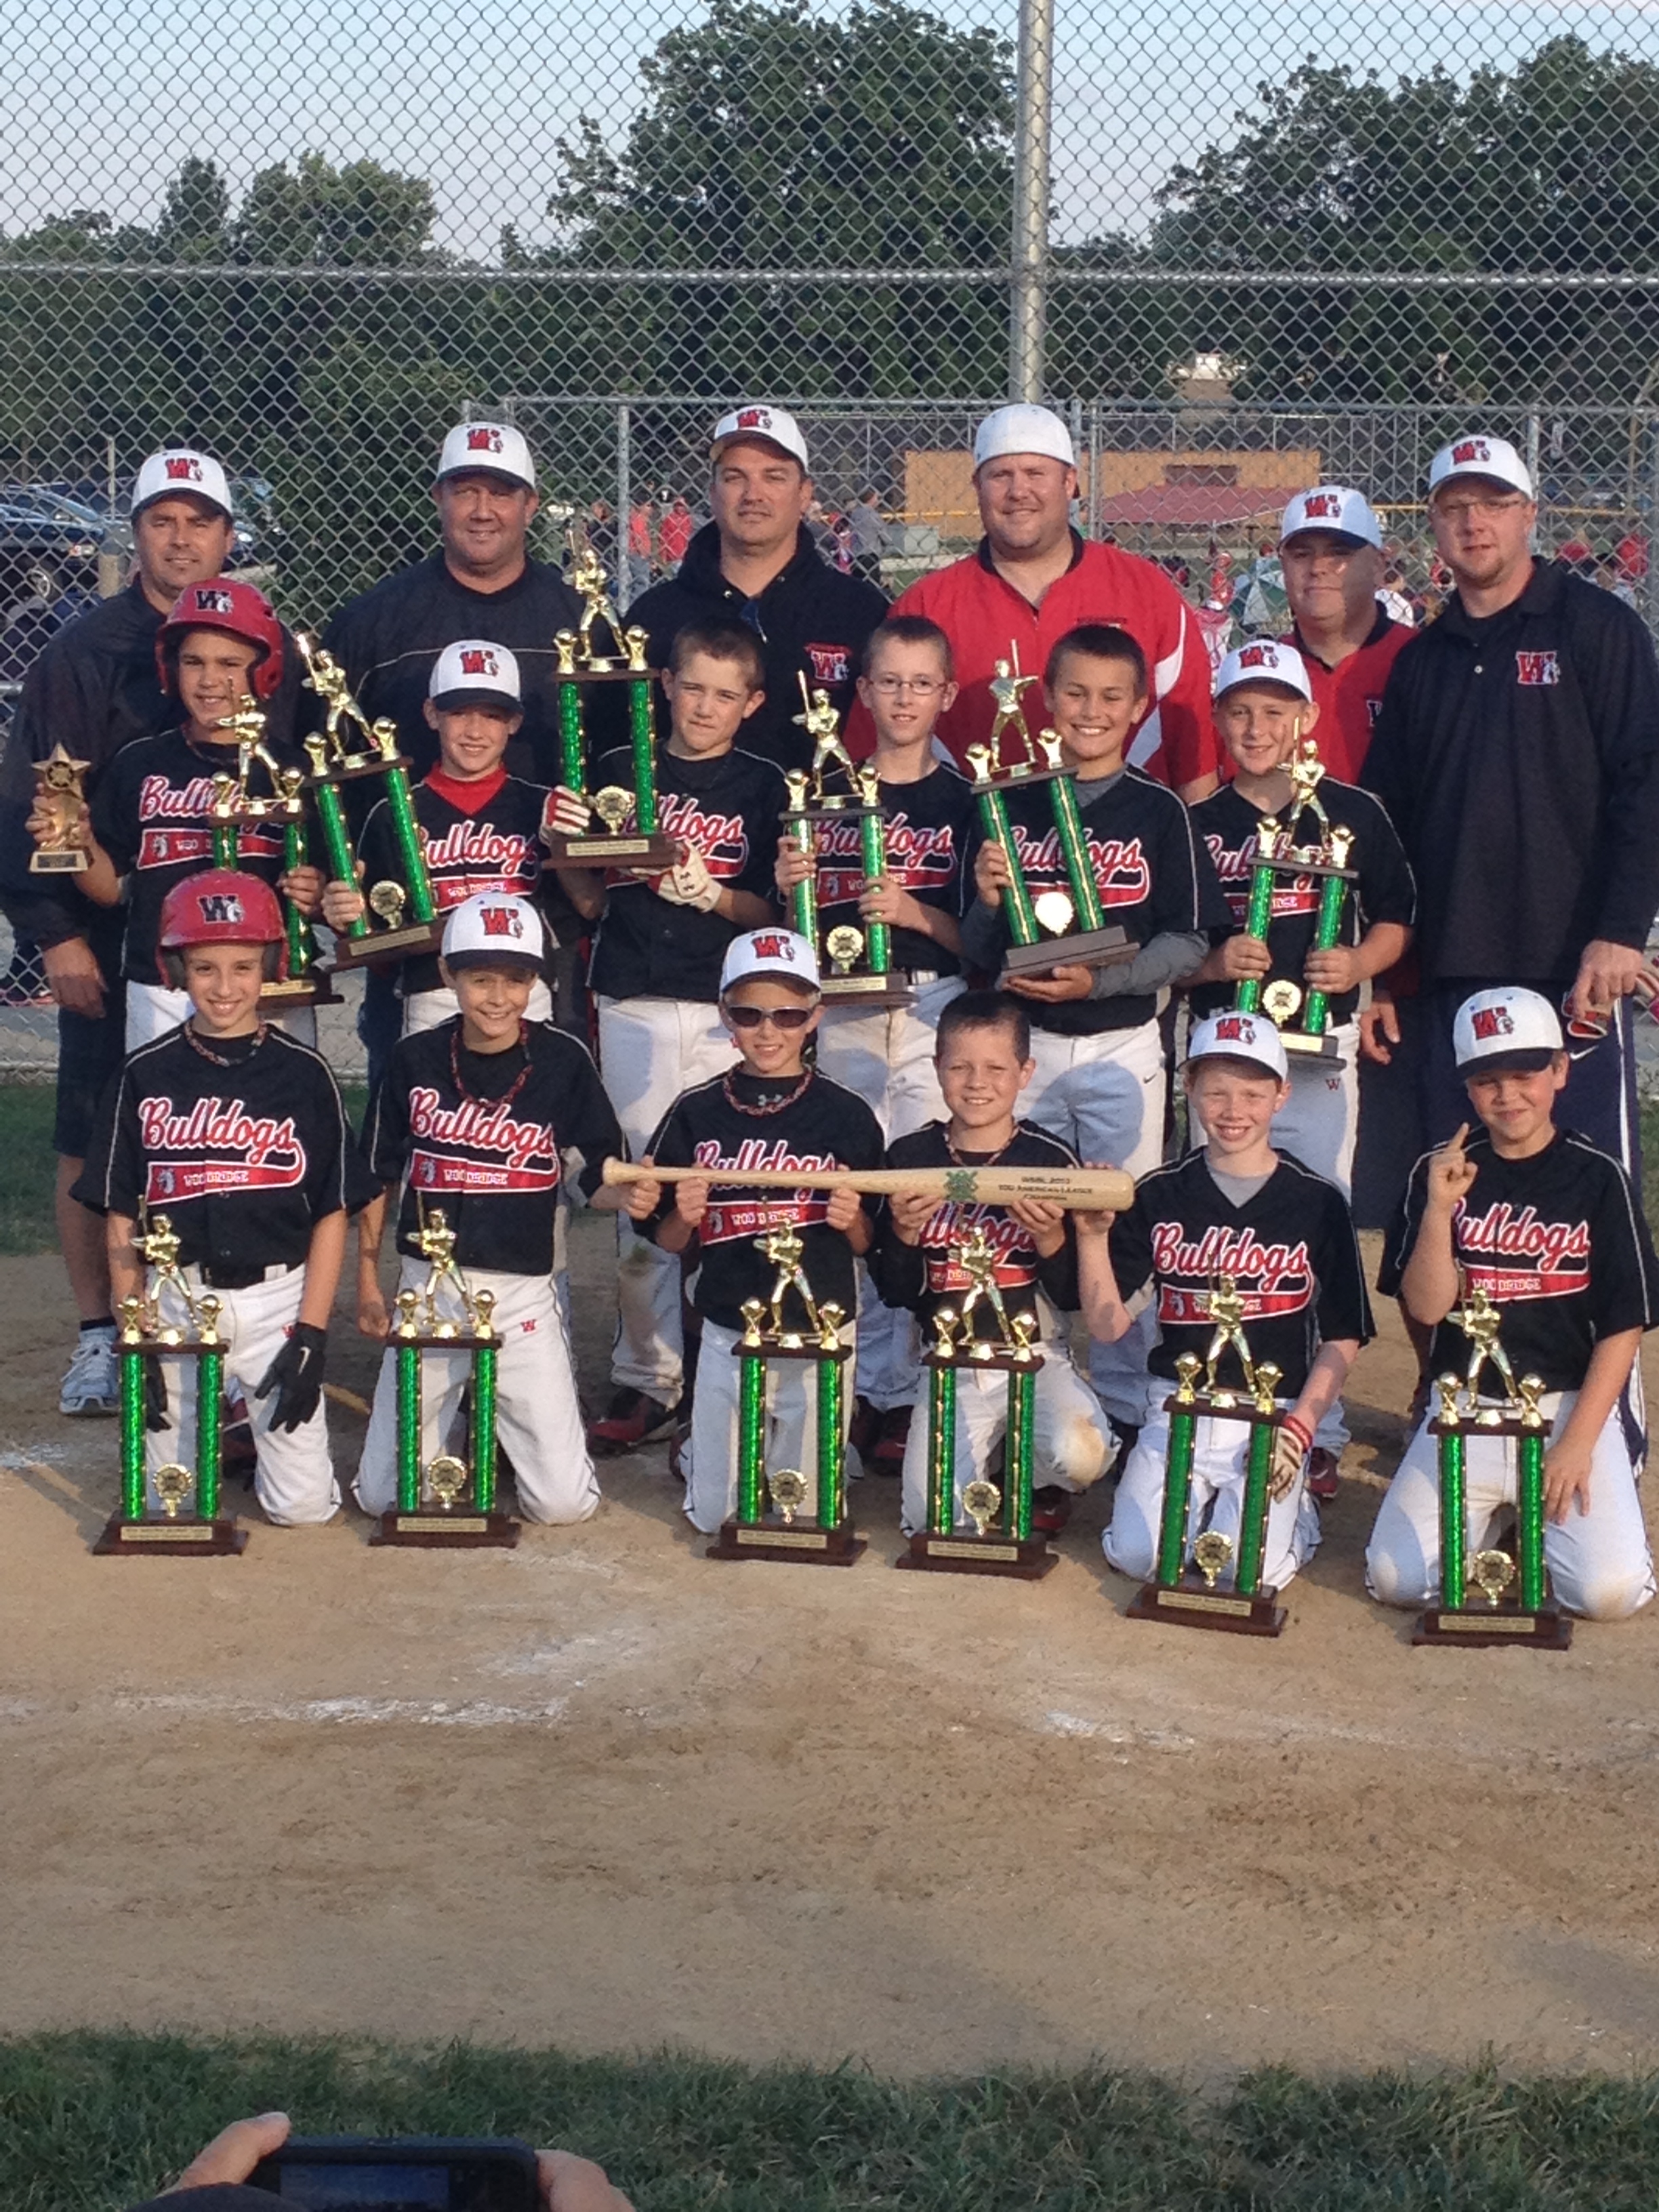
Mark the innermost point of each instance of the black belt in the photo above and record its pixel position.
(242, 1279)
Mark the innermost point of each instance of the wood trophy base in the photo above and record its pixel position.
(314, 989)
(432, 1529)
(1486, 1626)
(867, 990)
(409, 940)
(1190, 1603)
(160, 1538)
(1088, 948)
(797, 1544)
(1026, 1559)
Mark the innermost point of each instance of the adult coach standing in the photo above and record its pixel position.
(1517, 751)
(1330, 546)
(96, 685)
(1034, 578)
(755, 563)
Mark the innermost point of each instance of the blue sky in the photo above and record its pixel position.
(100, 101)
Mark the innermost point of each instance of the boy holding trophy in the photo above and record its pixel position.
(1550, 1230)
(1253, 1265)
(237, 1134)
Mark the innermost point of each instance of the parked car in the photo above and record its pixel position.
(42, 558)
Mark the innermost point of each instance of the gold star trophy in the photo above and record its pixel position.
(790, 1324)
(1204, 1392)
(1281, 865)
(59, 805)
(845, 833)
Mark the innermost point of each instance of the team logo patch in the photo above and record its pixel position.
(211, 602)
(1322, 506)
(501, 920)
(754, 418)
(1235, 1029)
(769, 945)
(221, 907)
(484, 438)
(1258, 656)
(476, 662)
(831, 664)
(1469, 449)
(1489, 1022)
(182, 468)
(1538, 668)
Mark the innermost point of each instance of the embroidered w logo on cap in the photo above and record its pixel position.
(501, 921)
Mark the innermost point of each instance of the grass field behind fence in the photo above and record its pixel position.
(89, 2122)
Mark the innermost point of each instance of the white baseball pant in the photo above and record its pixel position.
(1072, 1442)
(650, 1050)
(1220, 1451)
(1599, 1562)
(1104, 1096)
(294, 1476)
(708, 1461)
(886, 1054)
(425, 1010)
(1320, 1124)
(153, 1009)
(536, 1416)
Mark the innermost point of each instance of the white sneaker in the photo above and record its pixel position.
(92, 1381)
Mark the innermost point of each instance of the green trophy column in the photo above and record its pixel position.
(1327, 929)
(302, 945)
(483, 1427)
(341, 865)
(1178, 1494)
(1454, 1522)
(227, 846)
(803, 899)
(1253, 1513)
(1074, 851)
(409, 1428)
(830, 1443)
(1022, 921)
(751, 1433)
(411, 851)
(872, 852)
(941, 1449)
(573, 768)
(209, 1394)
(1258, 919)
(1017, 1472)
(132, 1435)
(1529, 1518)
(643, 737)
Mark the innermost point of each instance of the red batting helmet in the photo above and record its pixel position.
(220, 906)
(237, 609)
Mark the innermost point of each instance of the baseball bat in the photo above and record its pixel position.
(1089, 1190)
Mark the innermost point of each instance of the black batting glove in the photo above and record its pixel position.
(155, 1395)
(296, 1375)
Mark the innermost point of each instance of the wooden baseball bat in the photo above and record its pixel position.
(1089, 1190)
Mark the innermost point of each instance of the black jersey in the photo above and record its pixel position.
(928, 827)
(928, 1275)
(727, 808)
(150, 814)
(1558, 1240)
(475, 836)
(1227, 822)
(1290, 1249)
(490, 1137)
(827, 1127)
(1152, 874)
(244, 1152)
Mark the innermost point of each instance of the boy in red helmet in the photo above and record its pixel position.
(237, 1134)
(149, 825)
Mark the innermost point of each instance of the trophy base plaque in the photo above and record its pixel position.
(1091, 948)
(167, 1539)
(1192, 1603)
(655, 852)
(315, 989)
(867, 990)
(433, 1529)
(404, 943)
(1311, 1045)
(70, 863)
(1026, 1558)
(1486, 1626)
(775, 1538)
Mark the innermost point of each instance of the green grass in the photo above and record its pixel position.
(89, 2123)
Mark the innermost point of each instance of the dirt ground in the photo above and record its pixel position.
(603, 1792)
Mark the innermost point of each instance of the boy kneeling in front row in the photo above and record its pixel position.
(1550, 1229)
(1234, 1208)
(481, 1119)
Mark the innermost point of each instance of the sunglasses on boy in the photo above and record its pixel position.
(782, 1018)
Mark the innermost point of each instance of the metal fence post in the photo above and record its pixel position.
(624, 504)
(1034, 98)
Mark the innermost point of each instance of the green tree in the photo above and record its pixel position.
(361, 215)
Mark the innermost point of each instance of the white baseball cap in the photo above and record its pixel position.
(473, 672)
(494, 929)
(769, 952)
(1505, 1028)
(1234, 1035)
(181, 469)
(495, 447)
(1264, 660)
(771, 425)
(1336, 507)
(1023, 429)
(1477, 456)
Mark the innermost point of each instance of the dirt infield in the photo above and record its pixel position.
(604, 1793)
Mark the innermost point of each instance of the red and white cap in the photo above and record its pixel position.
(1234, 1035)
(494, 929)
(1024, 428)
(1478, 456)
(1505, 1028)
(179, 469)
(1264, 660)
(473, 672)
(769, 952)
(772, 426)
(493, 448)
(1337, 509)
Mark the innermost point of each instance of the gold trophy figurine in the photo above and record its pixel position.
(437, 1242)
(1225, 1309)
(59, 807)
(978, 1258)
(1481, 1321)
(822, 723)
(1004, 688)
(783, 1248)
(592, 586)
